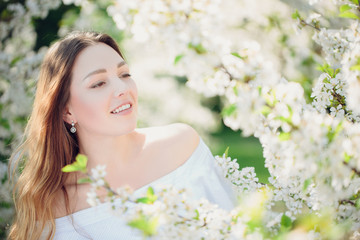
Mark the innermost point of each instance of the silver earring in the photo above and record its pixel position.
(72, 129)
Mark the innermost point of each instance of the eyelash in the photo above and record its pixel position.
(99, 84)
(126, 75)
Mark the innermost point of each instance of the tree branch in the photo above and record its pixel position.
(352, 168)
(347, 201)
(302, 21)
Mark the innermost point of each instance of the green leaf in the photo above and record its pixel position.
(110, 194)
(226, 152)
(6, 14)
(336, 71)
(197, 215)
(327, 69)
(78, 165)
(284, 119)
(286, 222)
(14, 61)
(355, 196)
(5, 123)
(199, 48)
(347, 158)
(349, 15)
(307, 183)
(81, 160)
(355, 68)
(265, 110)
(84, 180)
(323, 67)
(284, 136)
(143, 200)
(178, 58)
(133, 11)
(345, 8)
(253, 225)
(357, 204)
(296, 15)
(150, 192)
(237, 55)
(5, 205)
(150, 197)
(236, 91)
(71, 168)
(147, 226)
(355, 2)
(228, 110)
(332, 133)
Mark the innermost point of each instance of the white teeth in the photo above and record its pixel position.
(122, 108)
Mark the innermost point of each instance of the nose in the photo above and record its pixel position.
(120, 87)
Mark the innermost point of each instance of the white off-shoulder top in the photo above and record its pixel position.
(200, 174)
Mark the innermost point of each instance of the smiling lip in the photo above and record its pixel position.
(122, 108)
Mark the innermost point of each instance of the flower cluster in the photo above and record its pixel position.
(186, 21)
(166, 212)
(244, 180)
(339, 46)
(334, 91)
(6, 210)
(19, 64)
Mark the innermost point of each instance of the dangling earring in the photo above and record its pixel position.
(72, 129)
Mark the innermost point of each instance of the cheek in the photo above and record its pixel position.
(87, 109)
(134, 90)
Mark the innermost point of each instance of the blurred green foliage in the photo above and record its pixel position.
(247, 150)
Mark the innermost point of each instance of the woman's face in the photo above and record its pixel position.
(103, 96)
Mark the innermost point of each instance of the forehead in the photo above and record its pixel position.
(99, 56)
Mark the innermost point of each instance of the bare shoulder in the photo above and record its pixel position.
(183, 132)
(180, 133)
(174, 141)
(180, 140)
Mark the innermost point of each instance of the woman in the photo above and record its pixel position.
(86, 102)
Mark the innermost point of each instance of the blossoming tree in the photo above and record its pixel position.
(262, 65)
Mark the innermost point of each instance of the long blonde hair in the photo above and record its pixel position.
(48, 144)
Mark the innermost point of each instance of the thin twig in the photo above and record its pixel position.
(226, 71)
(302, 21)
(347, 201)
(352, 168)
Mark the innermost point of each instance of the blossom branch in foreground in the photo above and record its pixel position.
(165, 212)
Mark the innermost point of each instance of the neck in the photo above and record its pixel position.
(112, 151)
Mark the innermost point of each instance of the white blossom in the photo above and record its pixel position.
(92, 198)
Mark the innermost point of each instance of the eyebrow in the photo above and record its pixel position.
(102, 70)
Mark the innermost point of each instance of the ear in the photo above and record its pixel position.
(67, 116)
